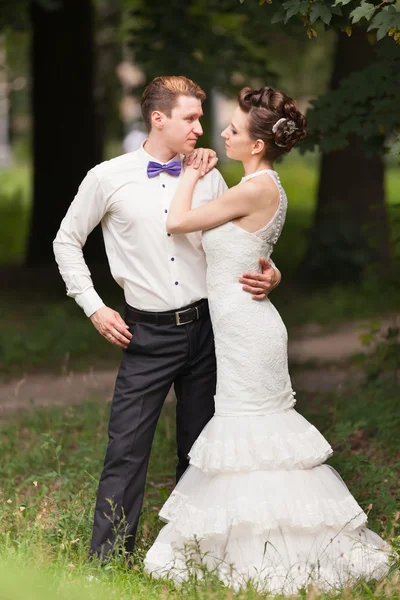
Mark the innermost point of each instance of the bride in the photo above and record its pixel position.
(257, 503)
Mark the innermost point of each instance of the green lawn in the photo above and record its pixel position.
(15, 199)
(51, 461)
(52, 336)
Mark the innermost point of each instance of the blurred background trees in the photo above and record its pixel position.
(71, 75)
(351, 124)
(74, 72)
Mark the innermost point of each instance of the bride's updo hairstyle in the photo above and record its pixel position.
(274, 119)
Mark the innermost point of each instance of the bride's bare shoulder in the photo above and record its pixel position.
(265, 189)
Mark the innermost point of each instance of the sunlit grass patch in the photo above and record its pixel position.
(51, 462)
(15, 200)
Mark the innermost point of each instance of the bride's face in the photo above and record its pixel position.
(238, 145)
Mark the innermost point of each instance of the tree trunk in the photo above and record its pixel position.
(350, 230)
(64, 137)
(107, 86)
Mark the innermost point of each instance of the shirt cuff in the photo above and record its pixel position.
(279, 278)
(90, 301)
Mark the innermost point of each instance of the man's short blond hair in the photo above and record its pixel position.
(163, 92)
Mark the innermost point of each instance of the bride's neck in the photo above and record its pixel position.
(254, 164)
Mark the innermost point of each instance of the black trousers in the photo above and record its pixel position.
(157, 357)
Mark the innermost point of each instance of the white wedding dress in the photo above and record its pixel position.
(257, 503)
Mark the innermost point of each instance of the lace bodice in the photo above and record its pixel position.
(271, 232)
(250, 337)
(231, 250)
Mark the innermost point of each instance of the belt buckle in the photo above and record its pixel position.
(178, 316)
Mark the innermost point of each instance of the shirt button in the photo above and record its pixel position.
(168, 234)
(172, 258)
(176, 282)
(165, 211)
(163, 184)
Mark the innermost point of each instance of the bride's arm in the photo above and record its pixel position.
(235, 203)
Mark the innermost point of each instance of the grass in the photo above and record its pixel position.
(52, 458)
(15, 197)
(51, 461)
(52, 336)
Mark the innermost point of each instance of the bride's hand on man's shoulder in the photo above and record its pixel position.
(202, 160)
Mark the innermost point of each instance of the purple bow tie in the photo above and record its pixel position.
(173, 168)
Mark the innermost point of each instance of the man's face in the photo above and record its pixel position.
(182, 129)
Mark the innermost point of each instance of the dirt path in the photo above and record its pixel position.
(313, 343)
(309, 344)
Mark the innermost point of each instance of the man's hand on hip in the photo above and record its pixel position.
(261, 284)
(111, 326)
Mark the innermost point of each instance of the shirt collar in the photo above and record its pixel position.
(145, 157)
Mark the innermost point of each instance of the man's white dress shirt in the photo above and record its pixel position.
(157, 271)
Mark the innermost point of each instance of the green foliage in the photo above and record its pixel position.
(366, 103)
(50, 335)
(51, 461)
(217, 43)
(212, 42)
(395, 149)
(383, 362)
(14, 214)
(384, 17)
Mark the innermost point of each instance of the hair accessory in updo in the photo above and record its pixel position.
(266, 108)
(275, 127)
(291, 128)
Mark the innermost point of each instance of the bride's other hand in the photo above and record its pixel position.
(204, 159)
(191, 174)
(261, 284)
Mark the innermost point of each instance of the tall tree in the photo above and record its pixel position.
(350, 229)
(64, 140)
(350, 124)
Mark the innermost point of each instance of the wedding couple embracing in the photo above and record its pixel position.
(253, 499)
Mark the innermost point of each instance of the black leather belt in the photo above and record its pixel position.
(183, 316)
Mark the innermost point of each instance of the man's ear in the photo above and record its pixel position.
(157, 119)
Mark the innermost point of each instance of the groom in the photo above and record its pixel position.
(166, 332)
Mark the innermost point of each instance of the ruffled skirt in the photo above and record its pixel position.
(257, 504)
